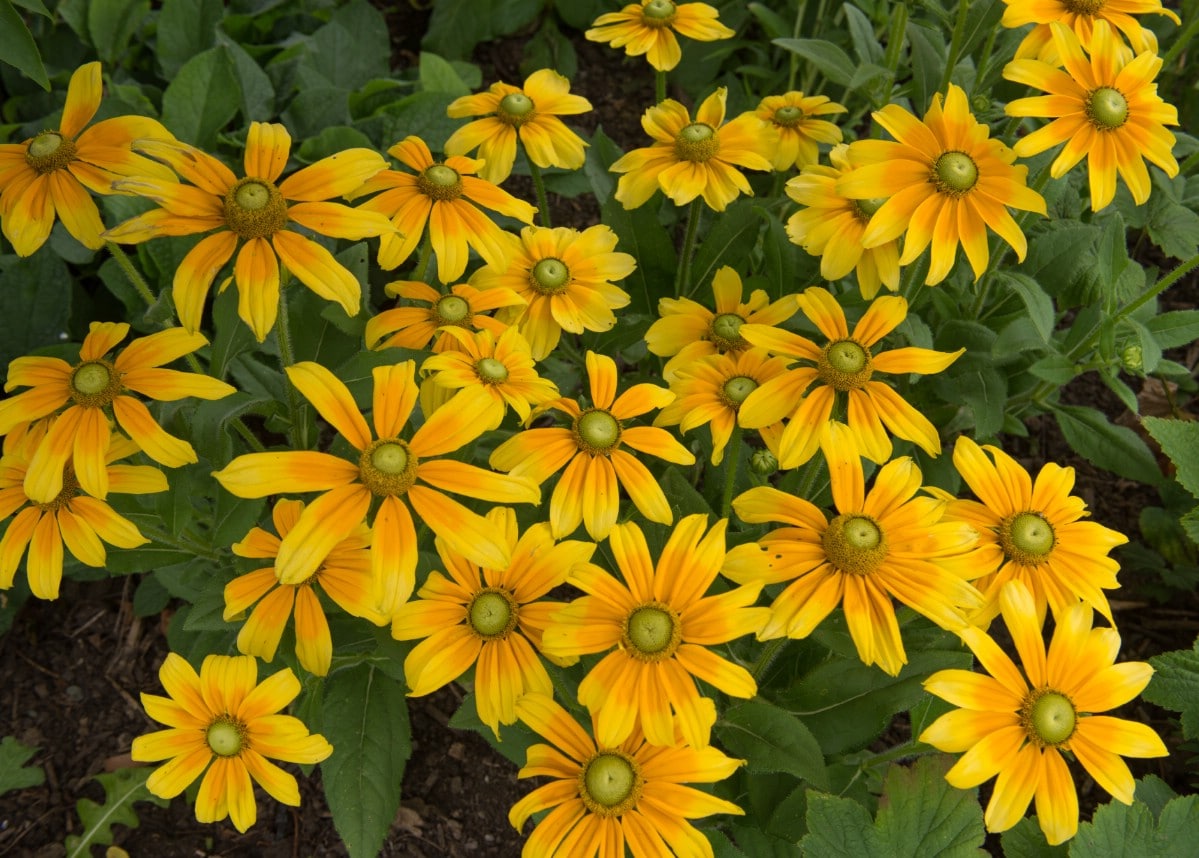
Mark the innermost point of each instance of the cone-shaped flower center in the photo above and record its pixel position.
(387, 467)
(610, 784)
(95, 383)
(652, 632)
(440, 182)
(493, 613)
(516, 108)
(597, 431)
(49, 151)
(1027, 538)
(696, 142)
(70, 488)
(1083, 7)
(955, 173)
(492, 371)
(452, 310)
(788, 116)
(224, 737)
(854, 544)
(1107, 108)
(739, 387)
(549, 276)
(865, 209)
(254, 208)
(726, 332)
(1049, 718)
(845, 365)
(657, 13)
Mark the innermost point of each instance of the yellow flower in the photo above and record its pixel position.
(844, 365)
(490, 618)
(531, 113)
(1017, 729)
(502, 368)
(344, 575)
(226, 717)
(711, 389)
(654, 628)
(70, 518)
(387, 469)
(604, 797)
(446, 196)
(254, 211)
(1103, 108)
(94, 387)
(51, 173)
(413, 327)
(883, 545)
(693, 159)
(563, 276)
(648, 28)
(1033, 533)
(793, 115)
(1081, 16)
(589, 488)
(831, 226)
(946, 181)
(689, 331)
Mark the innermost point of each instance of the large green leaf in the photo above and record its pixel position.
(772, 740)
(829, 60)
(112, 24)
(14, 774)
(1130, 831)
(35, 303)
(17, 47)
(1175, 685)
(1099, 441)
(1179, 439)
(352, 48)
(185, 28)
(202, 98)
(121, 789)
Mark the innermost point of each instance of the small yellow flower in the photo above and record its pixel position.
(649, 28)
(794, 116)
(465, 307)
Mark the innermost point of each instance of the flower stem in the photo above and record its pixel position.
(770, 653)
(899, 28)
(1180, 44)
(135, 276)
(659, 86)
(287, 357)
(543, 202)
(684, 269)
(422, 264)
(795, 31)
(733, 451)
(955, 46)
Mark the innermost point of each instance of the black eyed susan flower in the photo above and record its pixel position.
(648, 29)
(413, 327)
(796, 118)
(1082, 16)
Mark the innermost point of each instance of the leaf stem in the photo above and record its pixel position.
(198, 550)
(770, 654)
(135, 276)
(684, 272)
(733, 450)
(543, 202)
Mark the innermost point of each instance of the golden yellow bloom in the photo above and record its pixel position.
(413, 327)
(226, 717)
(528, 112)
(94, 387)
(1105, 109)
(490, 618)
(564, 278)
(344, 575)
(255, 212)
(710, 391)
(71, 518)
(655, 627)
(1081, 16)
(946, 181)
(793, 115)
(648, 28)
(831, 226)
(604, 797)
(387, 469)
(589, 488)
(883, 545)
(1015, 729)
(693, 159)
(688, 330)
(1033, 533)
(446, 196)
(844, 365)
(49, 175)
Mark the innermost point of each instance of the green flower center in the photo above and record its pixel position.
(652, 632)
(955, 173)
(725, 333)
(493, 613)
(491, 371)
(1107, 109)
(1048, 717)
(516, 109)
(95, 383)
(696, 142)
(736, 389)
(49, 151)
(387, 467)
(788, 116)
(550, 276)
(597, 431)
(610, 783)
(440, 182)
(845, 365)
(254, 208)
(658, 13)
(854, 544)
(865, 209)
(452, 310)
(225, 737)
(1027, 538)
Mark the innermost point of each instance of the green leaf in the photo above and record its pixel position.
(35, 303)
(1151, 351)
(1115, 448)
(683, 497)
(1176, 328)
(772, 740)
(922, 815)
(14, 774)
(981, 387)
(202, 98)
(728, 241)
(1026, 840)
(365, 717)
(438, 75)
(840, 828)
(352, 48)
(185, 28)
(150, 597)
(36, 6)
(829, 60)
(928, 59)
(17, 47)
(121, 789)
(256, 90)
(1054, 368)
(1174, 228)
(861, 31)
(1130, 831)
(1175, 686)
(1039, 305)
(1179, 440)
(112, 24)
(458, 25)
(1112, 252)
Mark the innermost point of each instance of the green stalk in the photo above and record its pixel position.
(684, 271)
(543, 202)
(985, 59)
(659, 86)
(1190, 162)
(795, 31)
(1180, 44)
(287, 357)
(770, 654)
(955, 46)
(733, 451)
(135, 276)
(899, 27)
(422, 264)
